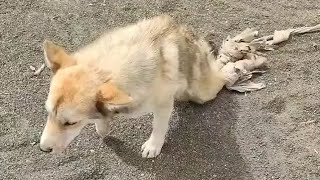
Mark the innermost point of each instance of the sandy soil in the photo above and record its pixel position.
(270, 134)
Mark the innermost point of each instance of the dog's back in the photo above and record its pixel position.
(139, 54)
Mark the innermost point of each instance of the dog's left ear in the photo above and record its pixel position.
(56, 57)
(110, 94)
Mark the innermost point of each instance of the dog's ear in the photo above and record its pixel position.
(55, 56)
(110, 94)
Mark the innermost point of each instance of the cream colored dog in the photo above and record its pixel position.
(138, 68)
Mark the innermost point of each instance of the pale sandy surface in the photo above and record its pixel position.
(258, 136)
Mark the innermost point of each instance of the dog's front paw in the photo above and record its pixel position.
(102, 128)
(103, 132)
(151, 148)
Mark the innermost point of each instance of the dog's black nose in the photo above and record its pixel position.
(47, 150)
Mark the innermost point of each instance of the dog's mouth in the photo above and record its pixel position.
(53, 150)
(46, 150)
(53, 146)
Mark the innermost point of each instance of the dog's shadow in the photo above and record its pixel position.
(201, 144)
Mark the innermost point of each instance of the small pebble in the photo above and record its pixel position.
(32, 68)
(315, 45)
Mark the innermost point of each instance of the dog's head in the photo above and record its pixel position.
(78, 95)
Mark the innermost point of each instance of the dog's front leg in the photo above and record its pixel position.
(102, 127)
(162, 112)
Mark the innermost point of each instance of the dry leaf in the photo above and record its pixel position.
(247, 35)
(239, 56)
(280, 36)
(246, 86)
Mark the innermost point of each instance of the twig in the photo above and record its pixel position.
(306, 29)
(264, 38)
(38, 71)
(308, 122)
(32, 68)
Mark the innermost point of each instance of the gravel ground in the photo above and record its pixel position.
(270, 134)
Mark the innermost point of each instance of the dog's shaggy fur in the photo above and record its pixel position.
(139, 68)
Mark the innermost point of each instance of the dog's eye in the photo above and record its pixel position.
(69, 123)
(116, 112)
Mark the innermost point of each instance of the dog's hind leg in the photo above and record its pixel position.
(207, 88)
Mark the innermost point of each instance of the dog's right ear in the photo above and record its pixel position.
(55, 56)
(110, 98)
(110, 94)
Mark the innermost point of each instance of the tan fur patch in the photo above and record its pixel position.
(67, 87)
(56, 57)
(111, 94)
(54, 126)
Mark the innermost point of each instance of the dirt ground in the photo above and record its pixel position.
(270, 134)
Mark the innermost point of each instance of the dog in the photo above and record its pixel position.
(131, 70)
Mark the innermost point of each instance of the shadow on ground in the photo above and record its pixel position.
(201, 139)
